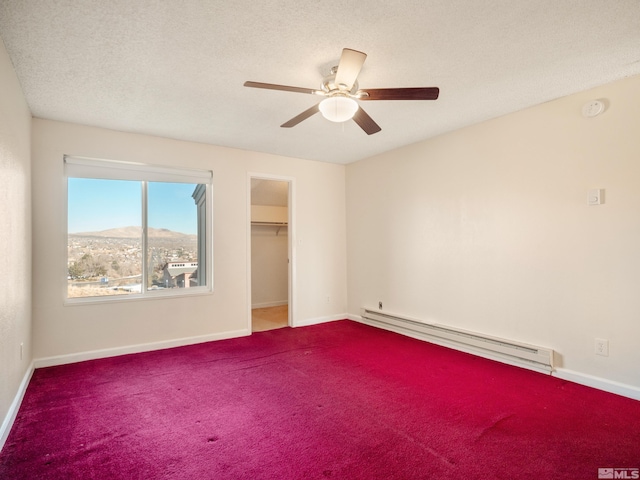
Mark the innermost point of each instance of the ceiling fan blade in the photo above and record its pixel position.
(349, 67)
(303, 116)
(365, 122)
(286, 88)
(421, 93)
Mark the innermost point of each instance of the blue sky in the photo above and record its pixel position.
(96, 205)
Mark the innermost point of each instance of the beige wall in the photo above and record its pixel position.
(269, 257)
(488, 229)
(15, 235)
(269, 213)
(269, 267)
(320, 243)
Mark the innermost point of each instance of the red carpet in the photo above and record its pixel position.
(339, 400)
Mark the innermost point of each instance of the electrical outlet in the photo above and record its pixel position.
(21, 350)
(380, 305)
(602, 347)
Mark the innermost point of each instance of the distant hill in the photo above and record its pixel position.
(134, 232)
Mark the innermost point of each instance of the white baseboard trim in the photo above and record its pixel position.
(7, 423)
(315, 321)
(9, 419)
(145, 347)
(452, 345)
(597, 382)
(610, 386)
(269, 304)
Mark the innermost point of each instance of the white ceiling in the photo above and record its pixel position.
(176, 68)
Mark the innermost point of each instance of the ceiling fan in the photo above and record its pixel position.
(341, 90)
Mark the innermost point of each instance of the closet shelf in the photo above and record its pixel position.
(279, 225)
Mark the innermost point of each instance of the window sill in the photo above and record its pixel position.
(149, 295)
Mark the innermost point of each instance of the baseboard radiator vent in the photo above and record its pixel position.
(507, 351)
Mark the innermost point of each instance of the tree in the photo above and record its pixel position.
(76, 270)
(87, 267)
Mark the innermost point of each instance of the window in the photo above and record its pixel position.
(136, 230)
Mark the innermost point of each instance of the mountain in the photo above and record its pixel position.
(134, 232)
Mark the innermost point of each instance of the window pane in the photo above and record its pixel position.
(104, 241)
(172, 236)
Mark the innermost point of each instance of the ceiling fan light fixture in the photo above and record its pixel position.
(340, 89)
(338, 108)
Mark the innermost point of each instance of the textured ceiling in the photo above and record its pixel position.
(176, 68)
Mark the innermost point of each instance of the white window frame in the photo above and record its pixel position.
(92, 168)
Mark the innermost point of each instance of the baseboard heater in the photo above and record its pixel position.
(508, 351)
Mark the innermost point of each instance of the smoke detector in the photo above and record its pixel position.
(592, 108)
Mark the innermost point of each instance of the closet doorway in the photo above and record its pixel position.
(270, 253)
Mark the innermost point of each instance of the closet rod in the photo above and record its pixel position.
(271, 224)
